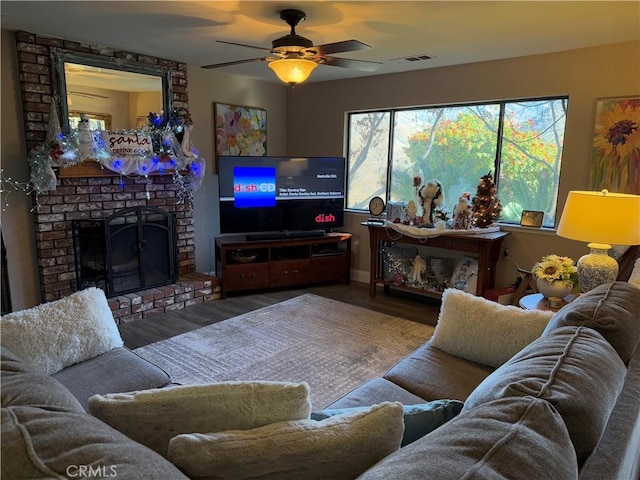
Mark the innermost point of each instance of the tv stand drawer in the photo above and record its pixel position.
(333, 267)
(292, 272)
(246, 277)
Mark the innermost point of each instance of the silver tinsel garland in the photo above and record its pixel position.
(168, 154)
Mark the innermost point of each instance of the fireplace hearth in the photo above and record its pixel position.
(134, 249)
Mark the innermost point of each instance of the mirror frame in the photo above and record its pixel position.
(60, 56)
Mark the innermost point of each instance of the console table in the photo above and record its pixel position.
(486, 246)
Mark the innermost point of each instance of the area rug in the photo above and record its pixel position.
(333, 346)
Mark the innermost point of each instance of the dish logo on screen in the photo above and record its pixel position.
(254, 186)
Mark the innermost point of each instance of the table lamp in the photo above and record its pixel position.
(601, 218)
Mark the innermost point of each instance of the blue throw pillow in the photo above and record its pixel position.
(419, 419)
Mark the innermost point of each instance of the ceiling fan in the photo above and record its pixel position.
(293, 57)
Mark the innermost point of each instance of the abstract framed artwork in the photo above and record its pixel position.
(615, 152)
(239, 130)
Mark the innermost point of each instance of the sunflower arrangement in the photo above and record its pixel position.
(554, 268)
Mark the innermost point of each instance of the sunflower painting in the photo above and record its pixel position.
(615, 156)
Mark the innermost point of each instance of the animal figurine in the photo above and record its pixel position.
(432, 197)
(462, 213)
(418, 267)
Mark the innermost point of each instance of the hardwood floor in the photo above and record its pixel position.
(142, 332)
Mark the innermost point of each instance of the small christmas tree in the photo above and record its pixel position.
(486, 206)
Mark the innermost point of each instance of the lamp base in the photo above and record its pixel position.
(596, 268)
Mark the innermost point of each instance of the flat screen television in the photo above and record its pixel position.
(271, 197)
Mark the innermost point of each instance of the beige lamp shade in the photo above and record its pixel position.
(601, 217)
(292, 70)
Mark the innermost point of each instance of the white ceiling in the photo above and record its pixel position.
(453, 32)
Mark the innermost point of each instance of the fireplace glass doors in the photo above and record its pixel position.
(133, 249)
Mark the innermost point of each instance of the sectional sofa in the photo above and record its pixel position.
(565, 405)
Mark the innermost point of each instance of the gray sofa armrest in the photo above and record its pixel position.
(617, 455)
(118, 370)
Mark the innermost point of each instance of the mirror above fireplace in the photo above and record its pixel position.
(106, 87)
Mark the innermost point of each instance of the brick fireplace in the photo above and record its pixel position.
(97, 194)
(99, 197)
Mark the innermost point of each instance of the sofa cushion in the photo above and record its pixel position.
(339, 447)
(504, 439)
(376, 390)
(23, 384)
(57, 334)
(118, 370)
(432, 374)
(40, 443)
(419, 419)
(153, 417)
(483, 331)
(612, 309)
(573, 368)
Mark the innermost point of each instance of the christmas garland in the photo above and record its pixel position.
(162, 145)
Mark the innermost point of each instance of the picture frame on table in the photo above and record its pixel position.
(239, 130)
(465, 275)
(531, 218)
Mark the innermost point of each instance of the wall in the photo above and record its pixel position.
(16, 220)
(317, 117)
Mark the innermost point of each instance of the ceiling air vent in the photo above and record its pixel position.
(412, 58)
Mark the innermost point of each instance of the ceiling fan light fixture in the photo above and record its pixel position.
(292, 70)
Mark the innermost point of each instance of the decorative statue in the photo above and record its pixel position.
(432, 197)
(462, 212)
(185, 145)
(418, 267)
(412, 212)
(85, 137)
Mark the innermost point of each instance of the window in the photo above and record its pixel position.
(518, 142)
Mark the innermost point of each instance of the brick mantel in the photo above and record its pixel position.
(90, 197)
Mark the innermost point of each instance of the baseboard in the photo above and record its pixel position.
(360, 276)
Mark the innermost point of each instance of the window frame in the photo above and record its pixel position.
(499, 142)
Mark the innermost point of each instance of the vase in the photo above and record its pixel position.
(553, 289)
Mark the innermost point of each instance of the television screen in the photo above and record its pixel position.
(280, 194)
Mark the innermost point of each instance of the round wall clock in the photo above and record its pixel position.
(376, 208)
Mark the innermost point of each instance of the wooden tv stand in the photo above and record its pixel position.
(486, 247)
(258, 264)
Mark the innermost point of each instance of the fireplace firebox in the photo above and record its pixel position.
(131, 250)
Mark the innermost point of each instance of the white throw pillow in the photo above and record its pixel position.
(153, 417)
(54, 335)
(340, 447)
(483, 331)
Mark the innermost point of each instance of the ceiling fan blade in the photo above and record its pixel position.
(244, 45)
(235, 62)
(339, 47)
(349, 63)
